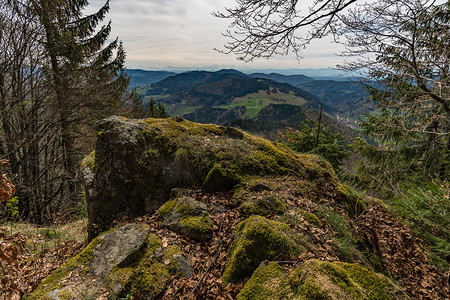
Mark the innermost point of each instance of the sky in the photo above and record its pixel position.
(182, 34)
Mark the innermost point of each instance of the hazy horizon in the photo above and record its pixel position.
(311, 72)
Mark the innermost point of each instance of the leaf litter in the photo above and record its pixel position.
(403, 256)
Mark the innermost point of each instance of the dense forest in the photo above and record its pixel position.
(61, 74)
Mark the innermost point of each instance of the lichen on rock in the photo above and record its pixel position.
(254, 240)
(187, 216)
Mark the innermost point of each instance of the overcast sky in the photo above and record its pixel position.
(158, 34)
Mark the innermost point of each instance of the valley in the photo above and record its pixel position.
(258, 102)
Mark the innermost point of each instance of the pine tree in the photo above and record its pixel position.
(161, 111)
(87, 77)
(317, 138)
(410, 65)
(151, 109)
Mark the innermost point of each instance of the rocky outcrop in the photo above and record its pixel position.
(226, 213)
(138, 163)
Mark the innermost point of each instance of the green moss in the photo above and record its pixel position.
(317, 168)
(150, 280)
(239, 196)
(185, 208)
(263, 206)
(166, 208)
(255, 240)
(147, 276)
(171, 251)
(190, 219)
(313, 219)
(378, 285)
(376, 263)
(151, 275)
(257, 185)
(218, 179)
(343, 190)
(65, 294)
(187, 216)
(163, 143)
(89, 161)
(267, 282)
(170, 254)
(201, 224)
(317, 279)
(149, 159)
(353, 203)
(119, 280)
(153, 243)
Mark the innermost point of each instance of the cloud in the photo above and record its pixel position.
(184, 33)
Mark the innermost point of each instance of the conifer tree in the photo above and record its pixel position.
(317, 138)
(161, 111)
(404, 49)
(87, 77)
(151, 108)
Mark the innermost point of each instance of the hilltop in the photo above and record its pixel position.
(179, 209)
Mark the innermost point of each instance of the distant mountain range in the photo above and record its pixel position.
(144, 78)
(208, 89)
(348, 98)
(257, 100)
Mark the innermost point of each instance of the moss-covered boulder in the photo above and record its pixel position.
(187, 216)
(117, 248)
(317, 279)
(267, 282)
(124, 261)
(263, 206)
(257, 197)
(138, 163)
(254, 240)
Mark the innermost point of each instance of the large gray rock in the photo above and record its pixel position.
(117, 249)
(138, 163)
(129, 260)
